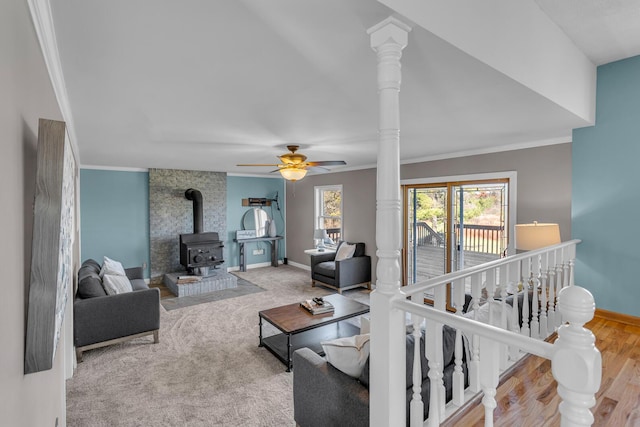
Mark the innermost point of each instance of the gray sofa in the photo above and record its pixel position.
(342, 275)
(323, 396)
(100, 319)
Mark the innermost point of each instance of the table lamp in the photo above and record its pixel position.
(320, 235)
(536, 235)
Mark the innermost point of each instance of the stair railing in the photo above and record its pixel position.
(544, 280)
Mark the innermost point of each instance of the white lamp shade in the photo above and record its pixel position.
(320, 234)
(536, 235)
(293, 173)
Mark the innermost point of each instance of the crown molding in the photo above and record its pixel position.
(45, 30)
(490, 150)
(113, 168)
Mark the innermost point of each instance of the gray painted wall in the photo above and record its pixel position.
(544, 179)
(543, 193)
(27, 95)
(359, 205)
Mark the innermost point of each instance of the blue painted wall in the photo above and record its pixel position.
(606, 191)
(239, 188)
(114, 215)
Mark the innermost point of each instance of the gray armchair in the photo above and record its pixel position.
(342, 275)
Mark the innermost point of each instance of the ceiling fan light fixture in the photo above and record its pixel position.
(293, 173)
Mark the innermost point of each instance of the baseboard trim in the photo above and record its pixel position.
(297, 264)
(617, 317)
(252, 266)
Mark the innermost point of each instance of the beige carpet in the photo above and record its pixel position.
(207, 369)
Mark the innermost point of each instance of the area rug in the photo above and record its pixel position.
(207, 369)
(244, 287)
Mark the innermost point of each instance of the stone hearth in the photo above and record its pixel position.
(217, 280)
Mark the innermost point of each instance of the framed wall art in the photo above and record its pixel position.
(52, 245)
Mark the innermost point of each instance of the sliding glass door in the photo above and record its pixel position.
(427, 222)
(453, 225)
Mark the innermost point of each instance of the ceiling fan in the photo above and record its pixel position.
(294, 165)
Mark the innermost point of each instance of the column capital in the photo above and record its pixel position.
(391, 30)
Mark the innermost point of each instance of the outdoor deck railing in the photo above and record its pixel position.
(481, 238)
(485, 239)
(334, 234)
(427, 236)
(550, 302)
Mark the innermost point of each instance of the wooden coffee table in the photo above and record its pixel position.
(303, 329)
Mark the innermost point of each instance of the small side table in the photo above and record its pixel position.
(318, 252)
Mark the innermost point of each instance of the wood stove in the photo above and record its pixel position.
(198, 250)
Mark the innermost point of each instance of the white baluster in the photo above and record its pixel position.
(490, 280)
(565, 273)
(543, 294)
(440, 303)
(535, 285)
(457, 292)
(514, 352)
(552, 295)
(504, 277)
(416, 407)
(432, 349)
(525, 298)
(565, 281)
(559, 281)
(576, 363)
(489, 378)
(571, 276)
(474, 364)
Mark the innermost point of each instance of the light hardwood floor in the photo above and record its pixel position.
(529, 396)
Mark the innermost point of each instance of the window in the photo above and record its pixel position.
(328, 211)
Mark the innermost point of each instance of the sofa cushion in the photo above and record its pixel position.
(112, 267)
(90, 286)
(348, 354)
(327, 268)
(89, 266)
(345, 251)
(89, 282)
(115, 284)
(138, 284)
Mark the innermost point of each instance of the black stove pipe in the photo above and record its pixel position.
(196, 196)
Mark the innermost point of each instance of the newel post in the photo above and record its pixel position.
(387, 391)
(576, 363)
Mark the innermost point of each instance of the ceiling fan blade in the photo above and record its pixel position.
(328, 163)
(317, 168)
(259, 164)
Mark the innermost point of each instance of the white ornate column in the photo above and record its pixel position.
(387, 386)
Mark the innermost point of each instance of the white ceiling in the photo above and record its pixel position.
(207, 84)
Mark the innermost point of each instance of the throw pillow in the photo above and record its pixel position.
(496, 312)
(116, 284)
(112, 267)
(91, 287)
(345, 251)
(348, 354)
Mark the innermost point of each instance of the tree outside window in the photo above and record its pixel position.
(328, 211)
